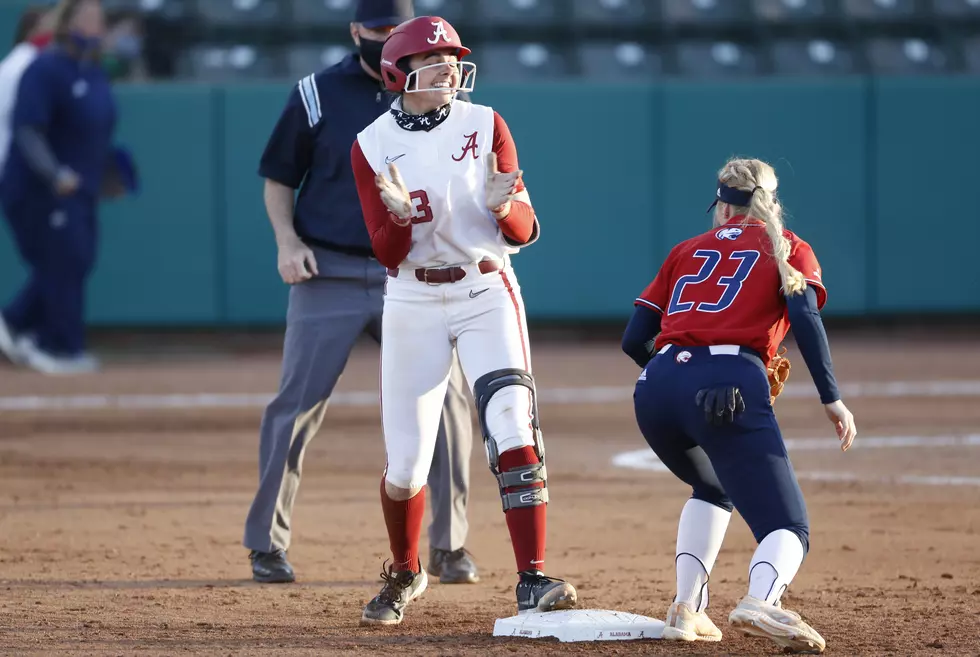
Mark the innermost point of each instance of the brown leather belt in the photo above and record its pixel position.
(439, 275)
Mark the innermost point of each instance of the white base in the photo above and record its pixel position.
(580, 625)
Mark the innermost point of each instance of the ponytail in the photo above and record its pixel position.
(764, 206)
(760, 177)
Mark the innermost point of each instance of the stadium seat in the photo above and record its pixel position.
(122, 5)
(232, 63)
(907, 56)
(793, 11)
(319, 13)
(167, 9)
(971, 55)
(956, 8)
(615, 12)
(303, 60)
(717, 59)
(453, 11)
(520, 62)
(239, 12)
(619, 61)
(712, 12)
(514, 13)
(340, 13)
(880, 10)
(813, 57)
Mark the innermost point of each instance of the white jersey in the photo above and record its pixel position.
(11, 70)
(444, 169)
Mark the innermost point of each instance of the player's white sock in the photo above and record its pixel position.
(774, 565)
(700, 533)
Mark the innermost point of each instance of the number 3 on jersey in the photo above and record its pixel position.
(732, 284)
(421, 211)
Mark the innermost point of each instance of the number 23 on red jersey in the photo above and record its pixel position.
(708, 274)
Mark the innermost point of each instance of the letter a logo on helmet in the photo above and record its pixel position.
(440, 33)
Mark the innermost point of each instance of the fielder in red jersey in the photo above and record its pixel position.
(705, 333)
(722, 288)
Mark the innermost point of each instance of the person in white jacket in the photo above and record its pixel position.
(33, 33)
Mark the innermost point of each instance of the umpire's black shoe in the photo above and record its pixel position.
(535, 592)
(271, 567)
(453, 567)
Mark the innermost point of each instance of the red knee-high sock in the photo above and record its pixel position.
(404, 522)
(527, 525)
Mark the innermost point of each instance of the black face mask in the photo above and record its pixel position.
(370, 52)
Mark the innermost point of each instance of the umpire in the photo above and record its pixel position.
(336, 294)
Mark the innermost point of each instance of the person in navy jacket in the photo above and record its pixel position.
(61, 162)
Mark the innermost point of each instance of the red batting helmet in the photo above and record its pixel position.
(414, 37)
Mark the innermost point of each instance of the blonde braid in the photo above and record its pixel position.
(760, 178)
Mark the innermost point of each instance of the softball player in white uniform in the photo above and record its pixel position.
(445, 220)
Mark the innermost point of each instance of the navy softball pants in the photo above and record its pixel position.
(742, 465)
(57, 240)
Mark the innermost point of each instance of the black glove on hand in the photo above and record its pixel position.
(720, 405)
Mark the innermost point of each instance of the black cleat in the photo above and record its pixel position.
(401, 587)
(271, 567)
(453, 567)
(535, 592)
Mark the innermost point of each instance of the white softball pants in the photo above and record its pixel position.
(482, 315)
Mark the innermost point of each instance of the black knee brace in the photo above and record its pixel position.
(528, 475)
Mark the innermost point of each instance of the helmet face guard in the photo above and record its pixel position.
(467, 78)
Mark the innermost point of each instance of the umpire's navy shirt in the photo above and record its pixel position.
(312, 141)
(70, 102)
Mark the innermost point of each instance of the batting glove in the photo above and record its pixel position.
(721, 405)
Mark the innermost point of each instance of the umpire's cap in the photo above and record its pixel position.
(383, 13)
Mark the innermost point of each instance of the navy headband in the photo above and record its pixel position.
(732, 196)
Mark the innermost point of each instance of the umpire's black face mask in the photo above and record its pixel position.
(370, 52)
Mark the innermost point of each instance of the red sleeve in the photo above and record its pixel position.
(803, 258)
(391, 242)
(521, 224)
(657, 294)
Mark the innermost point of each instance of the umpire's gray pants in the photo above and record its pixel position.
(326, 316)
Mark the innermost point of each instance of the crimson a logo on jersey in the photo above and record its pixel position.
(468, 147)
(683, 357)
(728, 234)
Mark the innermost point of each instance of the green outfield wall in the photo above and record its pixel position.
(879, 175)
